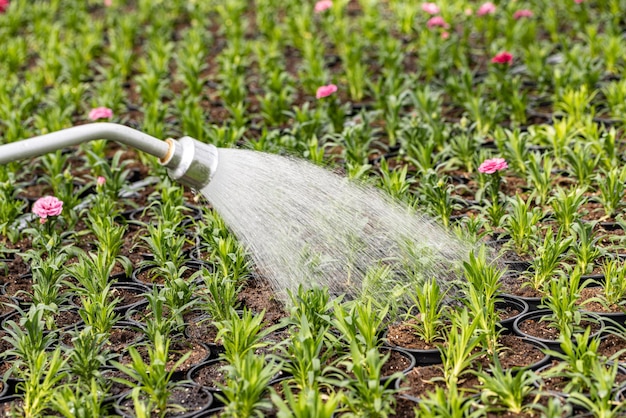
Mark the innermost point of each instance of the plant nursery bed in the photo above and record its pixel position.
(463, 149)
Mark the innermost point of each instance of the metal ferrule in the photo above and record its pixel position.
(190, 162)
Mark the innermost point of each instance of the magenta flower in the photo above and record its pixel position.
(492, 165)
(100, 181)
(486, 9)
(522, 14)
(437, 22)
(503, 57)
(322, 5)
(100, 113)
(47, 206)
(325, 91)
(4, 5)
(430, 8)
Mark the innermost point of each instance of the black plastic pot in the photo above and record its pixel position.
(421, 357)
(124, 404)
(411, 363)
(510, 302)
(538, 315)
(192, 266)
(137, 289)
(4, 387)
(579, 411)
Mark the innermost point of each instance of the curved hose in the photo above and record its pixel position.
(44, 144)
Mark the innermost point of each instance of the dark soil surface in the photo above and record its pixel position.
(190, 398)
(403, 335)
(424, 379)
(210, 375)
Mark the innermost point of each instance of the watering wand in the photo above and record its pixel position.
(188, 161)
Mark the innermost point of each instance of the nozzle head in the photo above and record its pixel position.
(190, 162)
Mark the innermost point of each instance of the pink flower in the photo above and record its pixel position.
(47, 206)
(486, 9)
(437, 22)
(4, 5)
(430, 8)
(522, 13)
(100, 113)
(445, 35)
(492, 165)
(322, 5)
(502, 58)
(100, 181)
(578, 1)
(325, 91)
(108, 3)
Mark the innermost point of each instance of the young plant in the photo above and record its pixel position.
(585, 246)
(28, 338)
(44, 374)
(80, 401)
(540, 177)
(359, 324)
(481, 292)
(159, 324)
(368, 395)
(307, 357)
(612, 190)
(247, 382)
(578, 361)
(306, 403)
(87, 355)
(450, 403)
(566, 206)
(242, 334)
(435, 192)
(507, 390)
(165, 245)
(548, 255)
(98, 311)
(426, 315)
(154, 379)
(459, 351)
(520, 223)
(599, 400)
(220, 297)
(562, 300)
(314, 304)
(614, 293)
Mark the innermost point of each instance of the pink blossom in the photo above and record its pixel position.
(325, 91)
(100, 113)
(578, 1)
(469, 11)
(492, 165)
(522, 13)
(47, 206)
(445, 35)
(437, 22)
(4, 5)
(430, 8)
(486, 9)
(503, 57)
(322, 5)
(100, 181)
